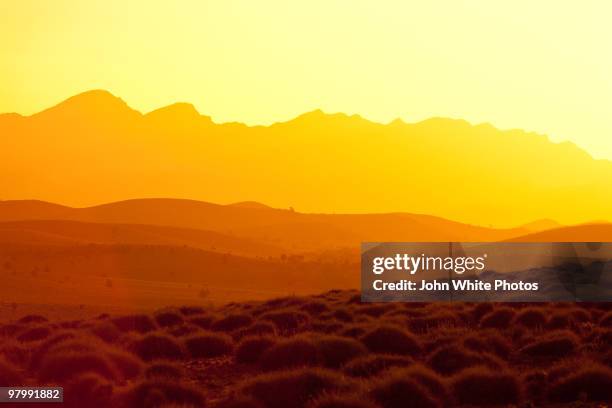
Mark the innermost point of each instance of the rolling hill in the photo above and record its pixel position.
(259, 229)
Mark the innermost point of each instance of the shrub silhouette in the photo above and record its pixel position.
(355, 330)
(292, 352)
(293, 388)
(251, 348)
(531, 318)
(53, 340)
(203, 322)
(397, 391)
(88, 390)
(337, 350)
(481, 386)
(535, 384)
(11, 329)
(433, 321)
(14, 352)
(105, 331)
(499, 318)
(553, 345)
(158, 346)
(374, 310)
(315, 308)
(240, 401)
(468, 349)
(287, 320)
(209, 345)
(183, 330)
(9, 374)
(327, 327)
(579, 315)
(29, 319)
(489, 341)
(451, 359)
(372, 364)
(164, 369)
(480, 310)
(64, 365)
(558, 320)
(593, 383)
(342, 401)
(168, 318)
(191, 310)
(232, 322)
(391, 340)
(162, 392)
(34, 334)
(256, 329)
(128, 365)
(343, 315)
(427, 378)
(137, 322)
(606, 320)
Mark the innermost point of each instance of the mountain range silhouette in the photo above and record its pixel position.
(94, 148)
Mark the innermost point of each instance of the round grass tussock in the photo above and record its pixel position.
(210, 344)
(139, 323)
(10, 374)
(293, 388)
(61, 366)
(232, 322)
(484, 387)
(33, 318)
(292, 352)
(373, 364)
(287, 320)
(251, 348)
(34, 334)
(342, 401)
(162, 392)
(88, 390)
(337, 350)
(154, 346)
(531, 318)
(168, 318)
(401, 392)
(593, 383)
(499, 318)
(453, 358)
(164, 369)
(556, 344)
(391, 340)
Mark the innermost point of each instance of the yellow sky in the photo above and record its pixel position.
(544, 66)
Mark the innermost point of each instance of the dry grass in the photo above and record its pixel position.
(324, 351)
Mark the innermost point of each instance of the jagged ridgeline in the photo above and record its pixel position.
(317, 162)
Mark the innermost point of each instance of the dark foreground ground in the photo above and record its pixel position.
(325, 351)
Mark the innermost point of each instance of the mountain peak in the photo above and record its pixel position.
(93, 103)
(179, 110)
(319, 118)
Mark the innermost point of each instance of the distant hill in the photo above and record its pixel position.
(541, 225)
(249, 204)
(600, 232)
(236, 225)
(153, 275)
(94, 148)
(61, 232)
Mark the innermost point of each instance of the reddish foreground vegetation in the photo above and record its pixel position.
(325, 351)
